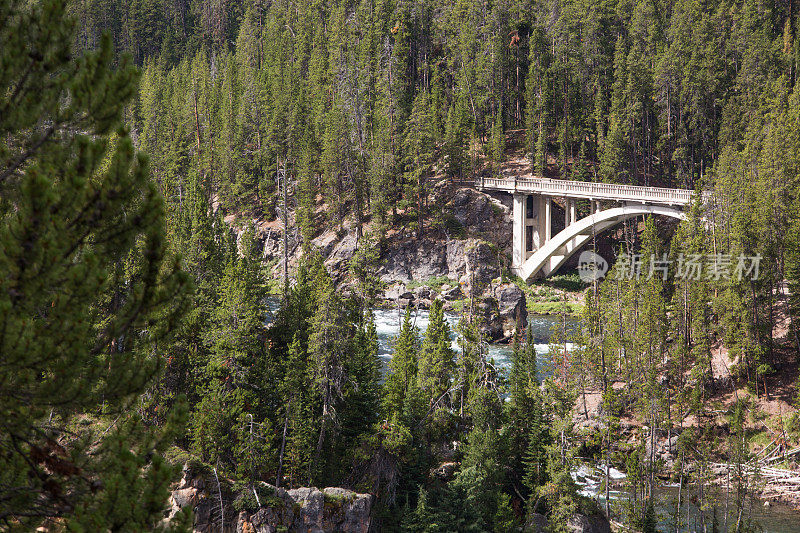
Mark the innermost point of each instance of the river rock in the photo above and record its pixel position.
(481, 265)
(512, 308)
(423, 293)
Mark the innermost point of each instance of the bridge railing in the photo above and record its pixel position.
(584, 189)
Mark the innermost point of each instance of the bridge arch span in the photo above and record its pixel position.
(556, 251)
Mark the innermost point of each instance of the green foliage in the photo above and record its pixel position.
(88, 291)
(401, 394)
(359, 107)
(436, 358)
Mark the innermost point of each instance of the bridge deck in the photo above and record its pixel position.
(583, 189)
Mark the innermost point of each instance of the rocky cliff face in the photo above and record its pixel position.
(266, 509)
(469, 252)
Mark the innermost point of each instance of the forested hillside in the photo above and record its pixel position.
(135, 329)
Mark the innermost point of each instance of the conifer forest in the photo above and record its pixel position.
(252, 280)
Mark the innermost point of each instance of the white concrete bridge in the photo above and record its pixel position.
(537, 252)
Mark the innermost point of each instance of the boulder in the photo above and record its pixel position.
(512, 308)
(481, 265)
(452, 293)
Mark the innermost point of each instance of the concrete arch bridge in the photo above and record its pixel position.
(536, 252)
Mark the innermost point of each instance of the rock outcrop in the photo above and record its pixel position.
(578, 523)
(468, 251)
(263, 508)
(309, 509)
(420, 260)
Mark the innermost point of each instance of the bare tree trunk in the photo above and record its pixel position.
(680, 490)
(285, 217)
(279, 475)
(221, 506)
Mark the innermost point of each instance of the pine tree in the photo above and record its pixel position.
(455, 139)
(88, 292)
(497, 144)
(614, 158)
(418, 146)
(401, 390)
(436, 358)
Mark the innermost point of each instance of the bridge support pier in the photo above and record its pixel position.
(519, 227)
(532, 225)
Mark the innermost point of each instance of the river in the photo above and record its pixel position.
(388, 321)
(775, 519)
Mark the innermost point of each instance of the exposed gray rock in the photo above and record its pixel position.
(479, 211)
(393, 292)
(309, 509)
(445, 470)
(331, 509)
(537, 523)
(578, 523)
(512, 308)
(338, 259)
(423, 292)
(413, 259)
(481, 265)
(453, 293)
(325, 243)
(184, 497)
(456, 262)
(581, 523)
